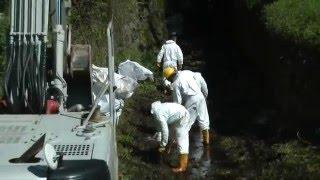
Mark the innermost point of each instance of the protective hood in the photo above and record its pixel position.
(170, 42)
(155, 106)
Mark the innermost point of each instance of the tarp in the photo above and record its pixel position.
(134, 70)
(125, 88)
(125, 85)
(126, 82)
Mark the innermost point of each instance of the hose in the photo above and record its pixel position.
(25, 79)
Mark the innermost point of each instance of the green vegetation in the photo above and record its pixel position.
(249, 157)
(139, 26)
(137, 158)
(133, 38)
(296, 161)
(297, 20)
(252, 3)
(4, 28)
(89, 21)
(4, 5)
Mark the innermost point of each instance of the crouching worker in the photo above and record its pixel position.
(176, 117)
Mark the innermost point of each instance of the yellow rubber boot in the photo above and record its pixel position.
(183, 163)
(205, 137)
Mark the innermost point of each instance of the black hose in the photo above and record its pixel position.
(26, 65)
(25, 78)
(43, 79)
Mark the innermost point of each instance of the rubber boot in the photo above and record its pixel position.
(205, 137)
(183, 163)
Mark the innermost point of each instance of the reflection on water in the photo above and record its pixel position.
(200, 157)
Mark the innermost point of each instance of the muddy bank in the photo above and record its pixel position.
(246, 153)
(228, 157)
(254, 97)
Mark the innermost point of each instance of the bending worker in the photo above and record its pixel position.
(191, 89)
(170, 54)
(176, 117)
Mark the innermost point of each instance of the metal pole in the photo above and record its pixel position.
(111, 73)
(25, 26)
(12, 16)
(46, 17)
(33, 14)
(111, 90)
(58, 10)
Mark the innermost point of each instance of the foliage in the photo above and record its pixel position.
(89, 21)
(4, 5)
(296, 162)
(295, 19)
(4, 28)
(278, 160)
(252, 3)
(138, 28)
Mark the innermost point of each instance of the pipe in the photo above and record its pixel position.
(32, 32)
(69, 40)
(45, 20)
(58, 11)
(25, 17)
(12, 18)
(20, 30)
(20, 21)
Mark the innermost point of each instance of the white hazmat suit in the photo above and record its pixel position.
(176, 117)
(171, 55)
(190, 89)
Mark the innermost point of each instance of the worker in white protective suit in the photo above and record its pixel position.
(190, 89)
(176, 117)
(171, 56)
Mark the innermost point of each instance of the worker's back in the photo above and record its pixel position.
(171, 54)
(169, 112)
(186, 83)
(201, 83)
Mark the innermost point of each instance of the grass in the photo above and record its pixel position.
(136, 158)
(260, 160)
(295, 20)
(296, 161)
(89, 21)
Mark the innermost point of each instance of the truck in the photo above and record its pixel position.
(52, 127)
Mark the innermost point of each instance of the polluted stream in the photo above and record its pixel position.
(245, 141)
(237, 150)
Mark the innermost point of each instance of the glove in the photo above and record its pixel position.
(161, 149)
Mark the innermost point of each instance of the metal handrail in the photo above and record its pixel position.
(110, 63)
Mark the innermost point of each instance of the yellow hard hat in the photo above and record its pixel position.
(168, 72)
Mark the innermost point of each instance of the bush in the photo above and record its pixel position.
(297, 20)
